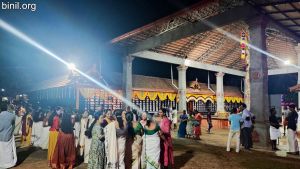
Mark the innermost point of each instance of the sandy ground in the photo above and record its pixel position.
(208, 153)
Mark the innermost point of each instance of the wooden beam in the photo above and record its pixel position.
(190, 63)
(189, 29)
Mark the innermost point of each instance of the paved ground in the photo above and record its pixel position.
(209, 153)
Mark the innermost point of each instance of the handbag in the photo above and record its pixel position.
(88, 131)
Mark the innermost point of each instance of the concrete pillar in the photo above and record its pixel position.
(297, 48)
(258, 76)
(220, 92)
(182, 87)
(127, 77)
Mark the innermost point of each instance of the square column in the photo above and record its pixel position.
(220, 92)
(182, 87)
(258, 80)
(127, 78)
(297, 48)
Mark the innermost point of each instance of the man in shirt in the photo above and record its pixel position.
(247, 126)
(291, 120)
(234, 120)
(8, 155)
(285, 112)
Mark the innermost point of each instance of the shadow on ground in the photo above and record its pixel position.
(24, 153)
(184, 158)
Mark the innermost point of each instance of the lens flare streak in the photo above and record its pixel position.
(32, 42)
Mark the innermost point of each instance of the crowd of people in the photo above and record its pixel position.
(104, 138)
(190, 125)
(123, 139)
(242, 125)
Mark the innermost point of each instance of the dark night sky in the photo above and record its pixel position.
(78, 31)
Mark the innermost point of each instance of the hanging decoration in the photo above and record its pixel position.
(244, 44)
(153, 95)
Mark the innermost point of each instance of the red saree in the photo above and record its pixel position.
(166, 155)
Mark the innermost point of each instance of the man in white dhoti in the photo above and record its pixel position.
(37, 129)
(84, 141)
(274, 129)
(292, 120)
(8, 154)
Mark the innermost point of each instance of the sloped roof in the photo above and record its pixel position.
(140, 83)
(213, 47)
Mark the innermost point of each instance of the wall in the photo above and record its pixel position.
(275, 101)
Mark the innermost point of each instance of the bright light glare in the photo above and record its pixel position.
(2, 90)
(71, 66)
(27, 39)
(187, 62)
(287, 62)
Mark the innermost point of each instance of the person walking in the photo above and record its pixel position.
(235, 121)
(197, 128)
(209, 121)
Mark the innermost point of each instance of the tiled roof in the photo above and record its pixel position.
(141, 83)
(215, 48)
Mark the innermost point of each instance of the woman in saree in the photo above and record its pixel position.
(26, 128)
(54, 122)
(182, 126)
(190, 127)
(65, 154)
(97, 152)
(197, 124)
(110, 133)
(45, 131)
(166, 155)
(151, 146)
(121, 131)
(37, 128)
(135, 141)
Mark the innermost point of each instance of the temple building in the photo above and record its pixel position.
(149, 93)
(250, 39)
